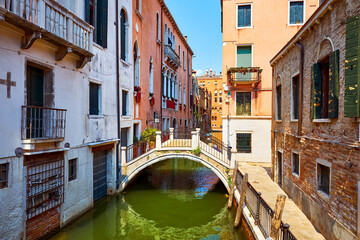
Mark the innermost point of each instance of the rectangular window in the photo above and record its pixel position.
(295, 98)
(321, 89)
(296, 163)
(4, 175)
(186, 123)
(323, 178)
(244, 16)
(296, 12)
(180, 121)
(243, 142)
(243, 104)
(72, 169)
(94, 99)
(278, 103)
(125, 103)
(244, 56)
(96, 14)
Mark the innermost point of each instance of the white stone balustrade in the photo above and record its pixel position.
(54, 18)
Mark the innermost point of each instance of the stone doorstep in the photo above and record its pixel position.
(300, 225)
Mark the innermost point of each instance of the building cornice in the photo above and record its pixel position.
(313, 20)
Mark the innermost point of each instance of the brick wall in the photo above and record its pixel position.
(329, 140)
(43, 225)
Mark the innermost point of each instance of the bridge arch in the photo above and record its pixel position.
(163, 157)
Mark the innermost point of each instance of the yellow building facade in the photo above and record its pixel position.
(253, 32)
(214, 84)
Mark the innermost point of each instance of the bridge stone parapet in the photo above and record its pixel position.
(192, 145)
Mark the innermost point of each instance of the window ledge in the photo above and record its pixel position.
(96, 116)
(295, 24)
(126, 116)
(296, 175)
(323, 195)
(126, 64)
(244, 27)
(139, 14)
(294, 120)
(158, 41)
(278, 121)
(321, 120)
(98, 46)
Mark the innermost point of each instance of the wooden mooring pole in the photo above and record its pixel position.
(276, 219)
(242, 200)
(232, 188)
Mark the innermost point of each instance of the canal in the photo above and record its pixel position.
(173, 199)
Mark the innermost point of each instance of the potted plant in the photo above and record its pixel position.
(135, 147)
(149, 136)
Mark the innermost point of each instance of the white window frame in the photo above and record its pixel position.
(251, 17)
(292, 163)
(299, 24)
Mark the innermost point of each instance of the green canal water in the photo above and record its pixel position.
(173, 199)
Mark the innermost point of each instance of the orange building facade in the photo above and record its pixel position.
(253, 31)
(214, 84)
(162, 62)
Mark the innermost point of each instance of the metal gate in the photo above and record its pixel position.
(100, 174)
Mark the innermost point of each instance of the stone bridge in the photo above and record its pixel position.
(193, 145)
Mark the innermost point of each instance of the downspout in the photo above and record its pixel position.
(162, 74)
(188, 88)
(274, 159)
(117, 98)
(301, 79)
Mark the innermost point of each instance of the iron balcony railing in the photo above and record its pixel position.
(243, 76)
(52, 17)
(215, 147)
(43, 123)
(139, 148)
(261, 211)
(172, 56)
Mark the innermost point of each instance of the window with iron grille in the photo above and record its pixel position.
(72, 169)
(4, 175)
(243, 142)
(45, 183)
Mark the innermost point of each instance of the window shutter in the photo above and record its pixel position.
(316, 95)
(333, 84)
(102, 20)
(352, 74)
(87, 11)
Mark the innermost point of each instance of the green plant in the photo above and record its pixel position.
(177, 151)
(229, 180)
(197, 151)
(149, 134)
(135, 139)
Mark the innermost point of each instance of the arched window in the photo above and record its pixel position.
(136, 65)
(157, 26)
(123, 35)
(220, 99)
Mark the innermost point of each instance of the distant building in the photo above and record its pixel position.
(252, 34)
(316, 111)
(162, 63)
(213, 84)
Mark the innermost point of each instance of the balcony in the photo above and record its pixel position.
(40, 123)
(244, 75)
(171, 56)
(50, 21)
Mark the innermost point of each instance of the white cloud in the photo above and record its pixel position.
(199, 72)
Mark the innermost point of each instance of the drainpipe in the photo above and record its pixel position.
(162, 74)
(301, 79)
(117, 98)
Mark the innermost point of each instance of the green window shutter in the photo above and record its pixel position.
(102, 22)
(352, 74)
(316, 94)
(333, 84)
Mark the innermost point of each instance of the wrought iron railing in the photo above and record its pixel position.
(141, 147)
(215, 147)
(261, 211)
(43, 123)
(244, 76)
(171, 54)
(176, 138)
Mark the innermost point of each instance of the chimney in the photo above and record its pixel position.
(214, 73)
(185, 38)
(207, 72)
(210, 71)
(220, 73)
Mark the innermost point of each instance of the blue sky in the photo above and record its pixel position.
(200, 20)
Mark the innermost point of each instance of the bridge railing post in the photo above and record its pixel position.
(123, 156)
(233, 158)
(195, 138)
(158, 139)
(171, 130)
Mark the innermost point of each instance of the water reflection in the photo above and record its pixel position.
(175, 199)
